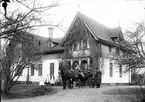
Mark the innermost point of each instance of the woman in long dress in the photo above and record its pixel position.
(41, 83)
(52, 79)
(47, 80)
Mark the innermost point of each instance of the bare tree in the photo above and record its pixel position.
(18, 56)
(19, 48)
(133, 48)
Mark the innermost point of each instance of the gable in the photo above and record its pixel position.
(98, 31)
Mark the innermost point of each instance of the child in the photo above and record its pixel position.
(47, 80)
(41, 83)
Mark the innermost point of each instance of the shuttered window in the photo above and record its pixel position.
(40, 70)
(51, 69)
(32, 69)
(111, 69)
(120, 70)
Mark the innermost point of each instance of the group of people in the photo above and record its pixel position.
(92, 79)
(48, 80)
(97, 78)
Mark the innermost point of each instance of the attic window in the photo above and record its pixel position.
(49, 44)
(115, 39)
(39, 42)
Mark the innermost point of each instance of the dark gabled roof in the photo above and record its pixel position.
(98, 30)
(56, 40)
(55, 49)
(42, 44)
(101, 31)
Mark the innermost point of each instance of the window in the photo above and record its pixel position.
(81, 45)
(120, 70)
(75, 46)
(72, 47)
(49, 44)
(111, 69)
(32, 69)
(40, 70)
(69, 48)
(51, 69)
(78, 46)
(39, 42)
(88, 44)
(84, 44)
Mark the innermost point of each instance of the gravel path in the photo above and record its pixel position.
(77, 95)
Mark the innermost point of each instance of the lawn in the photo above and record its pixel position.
(21, 91)
(125, 91)
(128, 94)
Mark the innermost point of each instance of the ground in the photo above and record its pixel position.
(86, 94)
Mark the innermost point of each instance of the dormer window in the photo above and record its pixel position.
(115, 39)
(49, 44)
(39, 42)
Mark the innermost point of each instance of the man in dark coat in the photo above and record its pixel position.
(97, 78)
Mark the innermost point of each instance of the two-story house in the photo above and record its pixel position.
(87, 43)
(92, 45)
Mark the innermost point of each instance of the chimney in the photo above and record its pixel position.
(50, 32)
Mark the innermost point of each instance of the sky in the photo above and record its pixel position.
(111, 13)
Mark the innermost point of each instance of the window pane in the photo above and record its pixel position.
(111, 69)
(84, 44)
(32, 69)
(120, 70)
(75, 46)
(88, 44)
(40, 70)
(78, 46)
(81, 44)
(72, 47)
(51, 69)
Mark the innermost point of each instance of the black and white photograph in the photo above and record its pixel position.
(72, 50)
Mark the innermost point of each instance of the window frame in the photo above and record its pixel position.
(51, 69)
(32, 70)
(111, 70)
(39, 70)
(120, 70)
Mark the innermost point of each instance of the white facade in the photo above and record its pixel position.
(46, 61)
(115, 77)
(105, 61)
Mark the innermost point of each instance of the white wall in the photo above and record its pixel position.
(46, 60)
(31, 78)
(115, 78)
(46, 66)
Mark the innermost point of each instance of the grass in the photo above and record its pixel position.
(132, 94)
(19, 91)
(125, 91)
